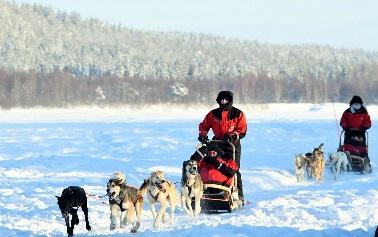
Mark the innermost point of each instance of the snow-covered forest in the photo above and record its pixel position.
(117, 64)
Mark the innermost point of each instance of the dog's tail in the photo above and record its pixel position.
(143, 188)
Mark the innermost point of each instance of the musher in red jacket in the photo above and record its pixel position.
(355, 121)
(227, 123)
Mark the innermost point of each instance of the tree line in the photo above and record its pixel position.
(62, 89)
(34, 37)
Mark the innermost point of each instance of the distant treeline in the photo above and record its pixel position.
(59, 89)
(34, 37)
(56, 59)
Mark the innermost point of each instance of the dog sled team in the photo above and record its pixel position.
(211, 180)
(352, 153)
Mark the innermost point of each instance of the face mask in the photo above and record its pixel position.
(224, 101)
(356, 106)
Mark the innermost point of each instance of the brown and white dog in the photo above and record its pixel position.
(191, 186)
(160, 190)
(123, 198)
(317, 163)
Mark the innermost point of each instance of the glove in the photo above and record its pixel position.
(114, 200)
(210, 160)
(203, 139)
(233, 137)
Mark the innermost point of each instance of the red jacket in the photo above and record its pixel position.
(216, 173)
(359, 120)
(224, 122)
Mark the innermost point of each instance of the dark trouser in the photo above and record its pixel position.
(237, 160)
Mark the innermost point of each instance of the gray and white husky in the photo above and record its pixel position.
(300, 164)
(339, 162)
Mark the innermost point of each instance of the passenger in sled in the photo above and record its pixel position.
(218, 171)
(217, 167)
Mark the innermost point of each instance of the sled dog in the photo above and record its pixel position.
(191, 186)
(300, 164)
(308, 161)
(317, 163)
(160, 190)
(123, 198)
(69, 202)
(339, 161)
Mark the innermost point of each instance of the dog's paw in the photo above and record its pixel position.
(112, 227)
(70, 232)
(197, 213)
(88, 227)
(135, 228)
(189, 213)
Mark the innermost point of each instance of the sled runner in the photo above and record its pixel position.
(355, 144)
(219, 197)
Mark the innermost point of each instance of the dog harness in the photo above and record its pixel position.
(121, 196)
(160, 187)
(300, 167)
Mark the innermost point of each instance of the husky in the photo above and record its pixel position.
(300, 165)
(124, 198)
(160, 190)
(339, 161)
(71, 199)
(317, 163)
(191, 186)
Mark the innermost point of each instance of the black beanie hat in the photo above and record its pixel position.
(356, 99)
(216, 148)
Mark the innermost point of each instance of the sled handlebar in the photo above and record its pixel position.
(342, 135)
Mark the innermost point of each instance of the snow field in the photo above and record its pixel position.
(39, 159)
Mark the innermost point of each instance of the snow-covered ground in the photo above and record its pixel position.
(44, 151)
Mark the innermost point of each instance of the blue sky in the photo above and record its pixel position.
(339, 23)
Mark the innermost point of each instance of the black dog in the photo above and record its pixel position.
(69, 202)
